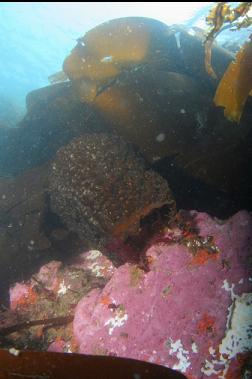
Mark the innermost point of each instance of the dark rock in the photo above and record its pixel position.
(29, 233)
(54, 116)
(101, 188)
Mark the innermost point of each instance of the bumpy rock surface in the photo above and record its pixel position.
(177, 313)
(191, 311)
(100, 187)
(51, 294)
(29, 233)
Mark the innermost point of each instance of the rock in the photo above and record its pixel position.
(52, 294)
(177, 313)
(27, 229)
(191, 311)
(21, 199)
(54, 116)
(22, 211)
(160, 100)
(101, 188)
(148, 80)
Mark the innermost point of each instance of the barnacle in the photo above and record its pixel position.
(236, 83)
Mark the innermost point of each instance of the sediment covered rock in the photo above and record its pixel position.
(101, 188)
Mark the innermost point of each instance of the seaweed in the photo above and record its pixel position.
(219, 18)
(236, 83)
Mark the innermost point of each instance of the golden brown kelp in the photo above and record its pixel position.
(157, 111)
(236, 84)
(38, 365)
(122, 44)
(106, 50)
(219, 16)
(161, 100)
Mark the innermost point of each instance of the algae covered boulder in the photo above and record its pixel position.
(148, 81)
(144, 80)
(101, 188)
(113, 46)
(108, 49)
(190, 312)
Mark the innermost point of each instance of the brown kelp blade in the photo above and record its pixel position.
(48, 365)
(236, 84)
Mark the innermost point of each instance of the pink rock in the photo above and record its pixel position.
(18, 292)
(57, 346)
(175, 314)
(48, 274)
(95, 262)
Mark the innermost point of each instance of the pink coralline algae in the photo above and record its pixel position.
(56, 279)
(42, 309)
(21, 295)
(190, 311)
(187, 313)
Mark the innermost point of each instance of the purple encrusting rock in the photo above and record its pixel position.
(178, 313)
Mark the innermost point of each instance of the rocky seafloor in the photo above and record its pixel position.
(190, 310)
(100, 251)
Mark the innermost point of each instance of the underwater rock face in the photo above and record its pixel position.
(22, 210)
(177, 313)
(100, 187)
(191, 311)
(148, 80)
(157, 96)
(54, 117)
(29, 233)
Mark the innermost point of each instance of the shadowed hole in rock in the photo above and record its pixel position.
(150, 225)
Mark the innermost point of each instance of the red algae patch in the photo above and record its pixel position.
(202, 257)
(22, 295)
(206, 324)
